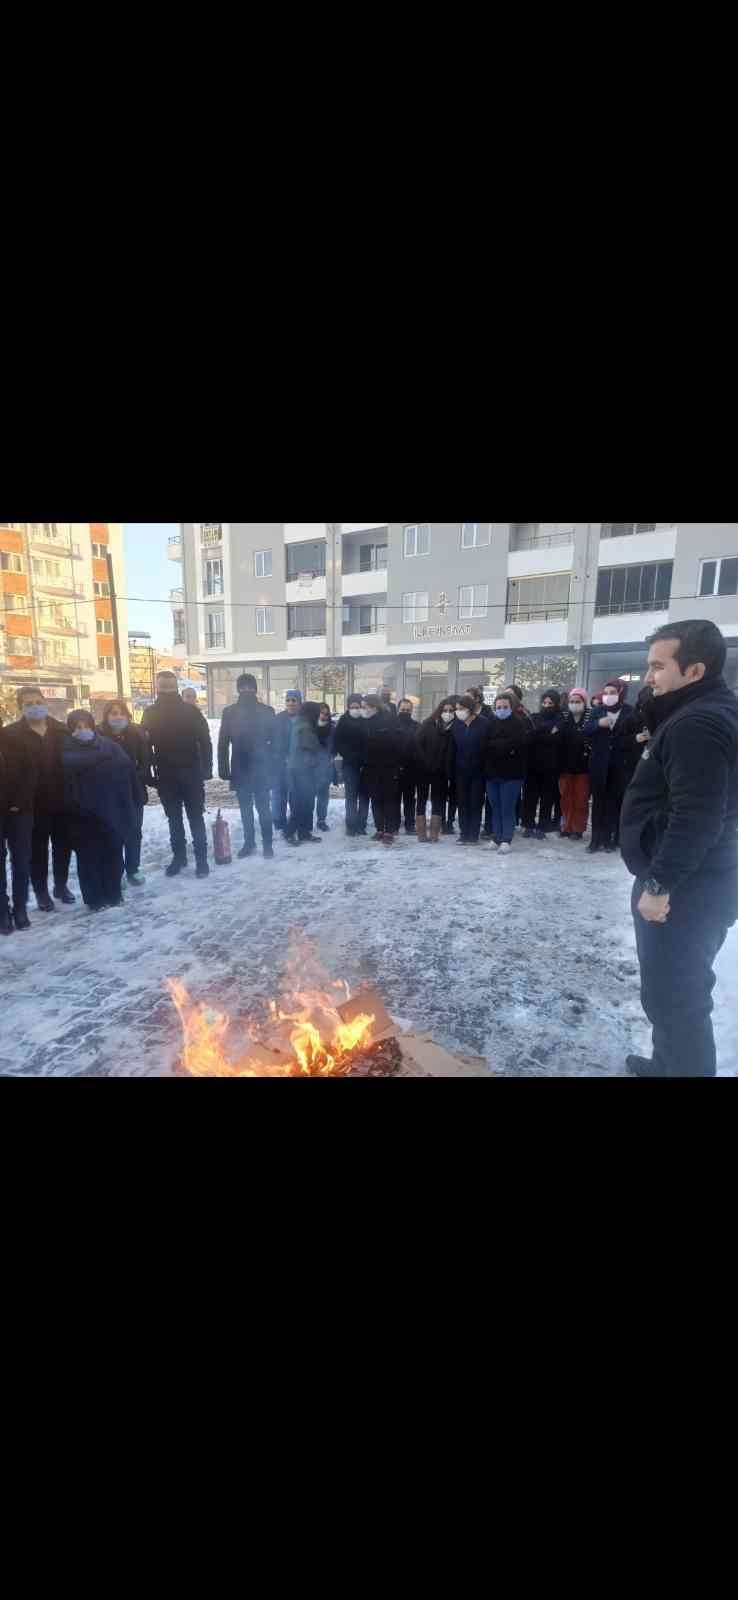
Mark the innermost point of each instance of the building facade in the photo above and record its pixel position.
(57, 627)
(429, 609)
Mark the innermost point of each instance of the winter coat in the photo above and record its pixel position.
(283, 723)
(575, 759)
(680, 814)
(326, 737)
(614, 752)
(546, 751)
(435, 747)
(350, 740)
(506, 750)
(137, 748)
(246, 742)
(35, 762)
(18, 773)
(470, 739)
(179, 737)
(100, 781)
(303, 754)
(385, 745)
(409, 730)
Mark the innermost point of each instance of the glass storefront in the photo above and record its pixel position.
(371, 676)
(426, 684)
(282, 678)
(223, 685)
(481, 672)
(326, 681)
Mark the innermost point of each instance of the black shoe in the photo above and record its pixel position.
(20, 918)
(93, 910)
(203, 870)
(377, 838)
(6, 921)
(639, 1067)
(247, 850)
(593, 848)
(293, 839)
(610, 849)
(324, 827)
(312, 838)
(44, 901)
(268, 853)
(65, 895)
(448, 827)
(109, 905)
(175, 866)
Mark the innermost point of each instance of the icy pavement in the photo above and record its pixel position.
(527, 960)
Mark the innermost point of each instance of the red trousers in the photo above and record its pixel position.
(574, 792)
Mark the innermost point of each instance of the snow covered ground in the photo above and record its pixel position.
(506, 958)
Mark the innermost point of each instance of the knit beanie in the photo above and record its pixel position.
(582, 693)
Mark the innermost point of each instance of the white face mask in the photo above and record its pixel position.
(609, 699)
(354, 711)
(576, 708)
(447, 716)
(463, 716)
(367, 713)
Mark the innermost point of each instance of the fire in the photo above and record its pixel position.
(307, 1037)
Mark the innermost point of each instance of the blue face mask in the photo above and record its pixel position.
(119, 723)
(84, 735)
(503, 713)
(34, 713)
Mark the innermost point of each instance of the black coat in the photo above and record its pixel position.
(136, 746)
(506, 750)
(546, 751)
(179, 737)
(470, 739)
(680, 813)
(100, 782)
(36, 767)
(435, 748)
(614, 752)
(385, 743)
(351, 740)
(409, 730)
(246, 742)
(575, 760)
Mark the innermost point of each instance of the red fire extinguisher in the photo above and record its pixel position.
(221, 842)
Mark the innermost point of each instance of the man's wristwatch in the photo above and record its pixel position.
(652, 887)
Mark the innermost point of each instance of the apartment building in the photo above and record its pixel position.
(56, 618)
(427, 609)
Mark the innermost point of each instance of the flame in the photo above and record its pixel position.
(320, 1041)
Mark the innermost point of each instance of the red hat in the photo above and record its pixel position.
(582, 695)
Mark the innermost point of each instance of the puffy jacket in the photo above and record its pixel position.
(179, 737)
(246, 741)
(506, 750)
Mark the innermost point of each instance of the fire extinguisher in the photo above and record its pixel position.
(221, 842)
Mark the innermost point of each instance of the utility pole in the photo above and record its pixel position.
(116, 630)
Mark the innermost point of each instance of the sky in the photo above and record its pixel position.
(150, 574)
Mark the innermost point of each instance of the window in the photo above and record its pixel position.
(305, 622)
(212, 578)
(19, 645)
(211, 532)
(719, 576)
(475, 534)
(473, 600)
(102, 590)
(415, 607)
(99, 551)
(306, 558)
(618, 530)
(215, 629)
(10, 562)
(364, 619)
(105, 663)
(264, 619)
(543, 599)
(373, 558)
(179, 628)
(263, 565)
(16, 602)
(639, 588)
(418, 539)
(104, 625)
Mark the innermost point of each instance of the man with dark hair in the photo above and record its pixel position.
(679, 837)
(351, 740)
(382, 762)
(245, 759)
(182, 761)
(36, 741)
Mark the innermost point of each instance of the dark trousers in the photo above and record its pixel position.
(188, 792)
(409, 792)
(55, 830)
(503, 797)
(16, 828)
(322, 796)
(383, 784)
(448, 811)
(132, 845)
(302, 803)
(470, 791)
(677, 978)
(607, 801)
(280, 796)
(357, 801)
(99, 862)
(255, 793)
(437, 787)
(540, 790)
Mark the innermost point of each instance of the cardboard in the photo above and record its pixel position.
(421, 1054)
(370, 1002)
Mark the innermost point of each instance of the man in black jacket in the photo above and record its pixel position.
(679, 837)
(36, 741)
(351, 740)
(383, 760)
(182, 761)
(245, 759)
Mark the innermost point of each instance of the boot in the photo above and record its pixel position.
(44, 900)
(203, 870)
(20, 918)
(421, 830)
(435, 831)
(175, 866)
(6, 923)
(61, 892)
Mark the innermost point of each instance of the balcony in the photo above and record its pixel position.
(361, 583)
(60, 548)
(59, 586)
(174, 547)
(176, 597)
(64, 630)
(523, 540)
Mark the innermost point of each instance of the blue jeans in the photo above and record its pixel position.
(302, 802)
(357, 801)
(280, 794)
(503, 796)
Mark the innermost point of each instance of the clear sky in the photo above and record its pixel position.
(150, 574)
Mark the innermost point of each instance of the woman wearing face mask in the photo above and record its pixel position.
(574, 778)
(410, 773)
(325, 771)
(505, 763)
(351, 740)
(541, 787)
(118, 725)
(611, 733)
(435, 751)
(470, 732)
(101, 798)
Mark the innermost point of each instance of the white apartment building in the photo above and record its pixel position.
(428, 609)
